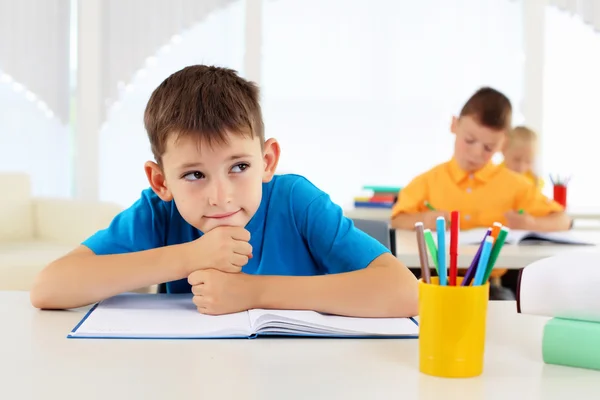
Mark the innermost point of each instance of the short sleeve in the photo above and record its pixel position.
(531, 200)
(332, 239)
(140, 227)
(412, 197)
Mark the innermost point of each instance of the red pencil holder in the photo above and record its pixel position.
(560, 195)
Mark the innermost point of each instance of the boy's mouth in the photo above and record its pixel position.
(223, 215)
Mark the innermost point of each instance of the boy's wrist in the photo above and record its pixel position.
(260, 291)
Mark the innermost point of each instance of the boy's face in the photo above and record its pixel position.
(219, 185)
(519, 156)
(475, 144)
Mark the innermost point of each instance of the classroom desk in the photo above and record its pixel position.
(38, 362)
(578, 213)
(511, 257)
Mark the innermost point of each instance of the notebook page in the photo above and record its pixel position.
(263, 319)
(159, 316)
(566, 237)
(467, 237)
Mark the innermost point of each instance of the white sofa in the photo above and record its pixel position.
(35, 231)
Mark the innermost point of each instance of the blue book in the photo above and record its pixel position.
(174, 316)
(369, 204)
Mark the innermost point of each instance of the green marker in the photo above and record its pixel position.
(431, 247)
(521, 211)
(499, 242)
(428, 205)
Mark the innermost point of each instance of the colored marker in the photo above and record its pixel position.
(425, 273)
(521, 211)
(496, 251)
(432, 248)
(454, 225)
(483, 261)
(441, 238)
(473, 267)
(429, 206)
(496, 226)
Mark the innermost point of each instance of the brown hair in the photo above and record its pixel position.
(205, 101)
(489, 108)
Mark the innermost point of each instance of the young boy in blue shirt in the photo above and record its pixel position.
(218, 222)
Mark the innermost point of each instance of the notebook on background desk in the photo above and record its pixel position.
(174, 316)
(474, 236)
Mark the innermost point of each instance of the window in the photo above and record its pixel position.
(363, 92)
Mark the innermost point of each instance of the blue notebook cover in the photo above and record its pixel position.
(174, 316)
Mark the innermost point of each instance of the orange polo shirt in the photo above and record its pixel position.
(482, 197)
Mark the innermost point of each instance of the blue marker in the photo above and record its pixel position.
(483, 261)
(441, 239)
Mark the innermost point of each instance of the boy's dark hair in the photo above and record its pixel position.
(204, 101)
(489, 108)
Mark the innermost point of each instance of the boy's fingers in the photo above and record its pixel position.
(238, 233)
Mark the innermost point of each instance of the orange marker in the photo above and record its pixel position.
(496, 230)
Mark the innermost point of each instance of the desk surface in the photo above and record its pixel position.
(37, 361)
(511, 256)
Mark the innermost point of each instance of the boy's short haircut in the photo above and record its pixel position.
(206, 102)
(522, 133)
(489, 108)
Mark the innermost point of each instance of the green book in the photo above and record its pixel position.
(572, 343)
(383, 189)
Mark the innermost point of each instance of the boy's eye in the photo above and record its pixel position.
(239, 167)
(193, 176)
(469, 141)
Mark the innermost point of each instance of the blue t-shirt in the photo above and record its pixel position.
(297, 230)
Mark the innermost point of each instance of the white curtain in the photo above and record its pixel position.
(363, 92)
(34, 93)
(588, 11)
(571, 105)
(217, 39)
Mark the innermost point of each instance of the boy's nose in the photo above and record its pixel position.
(219, 193)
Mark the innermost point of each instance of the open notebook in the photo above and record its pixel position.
(173, 316)
(474, 236)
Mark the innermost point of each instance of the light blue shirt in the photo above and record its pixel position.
(297, 231)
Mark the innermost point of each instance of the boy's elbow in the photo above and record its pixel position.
(40, 296)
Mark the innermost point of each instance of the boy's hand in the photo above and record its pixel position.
(514, 220)
(216, 292)
(225, 248)
(430, 218)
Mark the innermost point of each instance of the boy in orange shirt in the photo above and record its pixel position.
(519, 152)
(484, 193)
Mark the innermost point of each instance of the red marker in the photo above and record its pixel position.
(454, 228)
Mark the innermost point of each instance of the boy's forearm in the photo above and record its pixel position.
(83, 278)
(384, 289)
(406, 221)
(558, 221)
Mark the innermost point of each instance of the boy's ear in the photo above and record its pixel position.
(157, 181)
(271, 159)
(454, 125)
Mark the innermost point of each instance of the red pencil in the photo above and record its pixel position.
(454, 228)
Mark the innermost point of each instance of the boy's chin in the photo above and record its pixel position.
(209, 225)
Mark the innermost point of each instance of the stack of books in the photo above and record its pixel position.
(377, 197)
(565, 288)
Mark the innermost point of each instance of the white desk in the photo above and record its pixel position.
(577, 213)
(511, 256)
(38, 362)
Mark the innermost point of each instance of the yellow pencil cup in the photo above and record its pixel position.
(452, 329)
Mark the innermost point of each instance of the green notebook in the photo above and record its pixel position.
(572, 343)
(383, 189)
